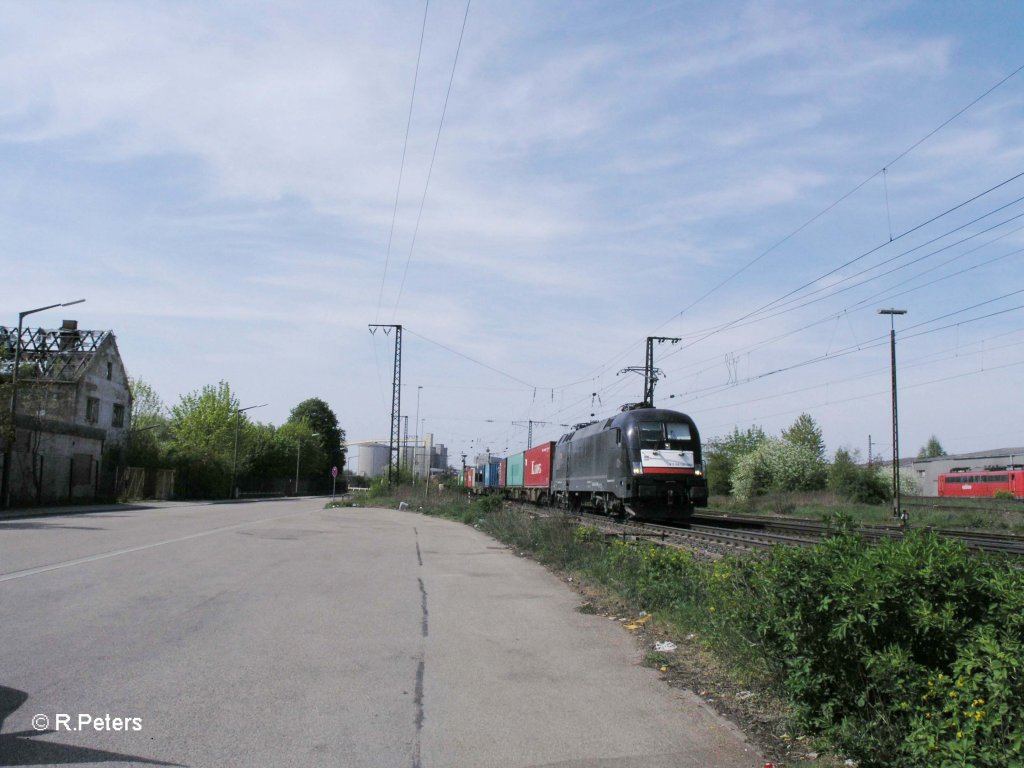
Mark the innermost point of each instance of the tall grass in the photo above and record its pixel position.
(923, 511)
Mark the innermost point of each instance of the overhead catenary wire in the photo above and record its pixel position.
(863, 302)
(765, 307)
(853, 191)
(433, 157)
(401, 167)
(802, 300)
(879, 393)
(872, 343)
(909, 364)
(617, 385)
(473, 360)
(827, 209)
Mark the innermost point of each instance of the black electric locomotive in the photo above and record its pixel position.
(644, 463)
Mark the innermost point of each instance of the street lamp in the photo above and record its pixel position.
(234, 461)
(896, 511)
(416, 440)
(298, 454)
(5, 480)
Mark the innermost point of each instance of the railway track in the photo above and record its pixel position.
(715, 534)
(718, 534)
(710, 539)
(986, 541)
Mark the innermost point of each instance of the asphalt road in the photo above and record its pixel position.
(282, 634)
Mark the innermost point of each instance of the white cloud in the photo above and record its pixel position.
(225, 176)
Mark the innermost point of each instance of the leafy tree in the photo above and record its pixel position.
(149, 425)
(323, 421)
(805, 431)
(299, 441)
(778, 465)
(147, 407)
(202, 440)
(932, 449)
(264, 457)
(721, 455)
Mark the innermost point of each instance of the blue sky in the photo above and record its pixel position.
(219, 182)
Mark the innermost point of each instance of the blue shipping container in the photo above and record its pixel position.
(492, 472)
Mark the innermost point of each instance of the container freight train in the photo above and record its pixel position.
(644, 463)
(970, 484)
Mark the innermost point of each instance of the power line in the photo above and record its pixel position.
(879, 393)
(873, 297)
(401, 167)
(871, 343)
(473, 360)
(846, 196)
(433, 157)
(918, 362)
(765, 307)
(819, 215)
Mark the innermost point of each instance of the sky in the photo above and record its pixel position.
(531, 189)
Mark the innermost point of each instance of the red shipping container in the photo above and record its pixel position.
(501, 473)
(537, 469)
(468, 477)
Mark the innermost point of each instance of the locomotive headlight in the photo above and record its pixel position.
(638, 468)
(698, 472)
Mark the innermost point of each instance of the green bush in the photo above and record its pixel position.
(972, 716)
(856, 632)
(856, 483)
(718, 472)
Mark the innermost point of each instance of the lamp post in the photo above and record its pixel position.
(298, 454)
(896, 510)
(417, 438)
(5, 479)
(234, 460)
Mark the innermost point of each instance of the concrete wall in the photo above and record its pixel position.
(107, 381)
(55, 461)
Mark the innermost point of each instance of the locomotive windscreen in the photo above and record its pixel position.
(665, 447)
(657, 434)
(677, 432)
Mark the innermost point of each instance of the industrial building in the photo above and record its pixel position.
(372, 460)
(928, 470)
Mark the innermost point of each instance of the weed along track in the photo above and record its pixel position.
(713, 535)
(802, 531)
(704, 539)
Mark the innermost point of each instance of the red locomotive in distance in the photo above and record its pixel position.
(977, 485)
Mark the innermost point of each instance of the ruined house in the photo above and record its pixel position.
(73, 414)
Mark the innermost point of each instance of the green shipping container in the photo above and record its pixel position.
(514, 472)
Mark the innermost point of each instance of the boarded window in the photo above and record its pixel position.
(117, 417)
(81, 469)
(92, 410)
